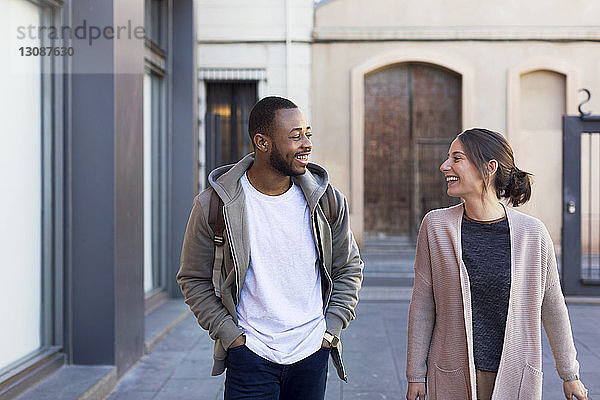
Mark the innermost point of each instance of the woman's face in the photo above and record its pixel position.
(463, 179)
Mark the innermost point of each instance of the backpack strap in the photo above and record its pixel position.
(216, 222)
(329, 205)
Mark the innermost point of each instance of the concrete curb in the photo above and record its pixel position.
(385, 293)
(151, 343)
(582, 300)
(102, 388)
(399, 293)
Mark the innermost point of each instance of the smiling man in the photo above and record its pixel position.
(276, 288)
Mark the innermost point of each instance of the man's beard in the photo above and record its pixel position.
(279, 163)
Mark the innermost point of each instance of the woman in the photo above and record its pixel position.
(485, 279)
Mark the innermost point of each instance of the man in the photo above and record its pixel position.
(288, 281)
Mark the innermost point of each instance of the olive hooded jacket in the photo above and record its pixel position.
(341, 266)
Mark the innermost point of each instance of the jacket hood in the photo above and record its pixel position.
(225, 181)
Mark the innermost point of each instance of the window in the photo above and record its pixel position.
(228, 106)
(154, 199)
(155, 148)
(28, 218)
(156, 22)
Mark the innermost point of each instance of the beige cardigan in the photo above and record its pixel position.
(440, 336)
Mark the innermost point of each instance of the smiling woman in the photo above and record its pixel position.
(476, 167)
(492, 272)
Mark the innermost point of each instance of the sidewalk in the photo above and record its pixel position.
(374, 354)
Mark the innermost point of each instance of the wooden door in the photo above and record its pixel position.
(412, 113)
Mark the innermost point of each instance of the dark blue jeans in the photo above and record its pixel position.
(252, 377)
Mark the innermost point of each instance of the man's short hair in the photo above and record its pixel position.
(262, 115)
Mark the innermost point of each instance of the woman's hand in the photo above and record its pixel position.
(416, 390)
(574, 388)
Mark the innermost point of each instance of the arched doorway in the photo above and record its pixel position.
(412, 113)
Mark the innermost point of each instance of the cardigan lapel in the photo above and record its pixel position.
(466, 297)
(466, 293)
(510, 216)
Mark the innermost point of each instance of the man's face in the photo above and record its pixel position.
(291, 143)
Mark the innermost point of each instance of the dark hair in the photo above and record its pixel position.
(481, 146)
(262, 115)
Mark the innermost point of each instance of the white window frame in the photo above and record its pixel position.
(18, 376)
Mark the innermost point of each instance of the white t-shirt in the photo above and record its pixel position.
(281, 303)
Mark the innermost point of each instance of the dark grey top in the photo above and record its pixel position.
(486, 254)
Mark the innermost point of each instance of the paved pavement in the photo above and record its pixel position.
(374, 353)
(374, 345)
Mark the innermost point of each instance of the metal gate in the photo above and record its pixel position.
(581, 205)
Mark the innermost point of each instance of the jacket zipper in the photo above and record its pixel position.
(233, 256)
(320, 247)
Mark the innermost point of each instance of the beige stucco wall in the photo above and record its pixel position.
(270, 36)
(349, 40)
(257, 20)
(537, 143)
(395, 14)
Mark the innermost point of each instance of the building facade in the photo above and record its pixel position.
(99, 172)
(393, 82)
(248, 50)
(103, 149)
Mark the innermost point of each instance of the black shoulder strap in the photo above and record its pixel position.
(215, 218)
(329, 205)
(216, 222)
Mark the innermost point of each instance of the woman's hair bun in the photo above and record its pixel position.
(518, 188)
(482, 145)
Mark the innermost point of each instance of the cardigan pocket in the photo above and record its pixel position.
(531, 384)
(450, 384)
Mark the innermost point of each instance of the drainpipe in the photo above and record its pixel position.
(288, 48)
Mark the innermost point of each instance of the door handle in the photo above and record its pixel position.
(571, 207)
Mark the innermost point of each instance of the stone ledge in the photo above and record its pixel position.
(408, 33)
(30, 372)
(75, 382)
(79, 382)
